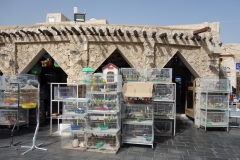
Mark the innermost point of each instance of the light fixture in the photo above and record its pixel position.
(74, 51)
(79, 17)
(220, 44)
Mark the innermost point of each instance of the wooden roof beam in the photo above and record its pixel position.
(101, 32)
(90, 31)
(6, 34)
(145, 34)
(181, 35)
(24, 32)
(70, 32)
(48, 33)
(163, 35)
(205, 29)
(108, 32)
(135, 32)
(82, 30)
(75, 31)
(115, 32)
(128, 33)
(41, 31)
(64, 32)
(19, 34)
(13, 35)
(120, 32)
(175, 36)
(58, 32)
(94, 30)
(154, 34)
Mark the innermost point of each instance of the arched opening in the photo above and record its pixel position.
(115, 58)
(184, 76)
(48, 71)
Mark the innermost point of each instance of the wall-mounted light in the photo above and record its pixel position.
(220, 44)
(74, 51)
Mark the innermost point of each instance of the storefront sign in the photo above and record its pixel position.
(237, 66)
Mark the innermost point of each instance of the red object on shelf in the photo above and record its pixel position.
(102, 109)
(11, 120)
(231, 98)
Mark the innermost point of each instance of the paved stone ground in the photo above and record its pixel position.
(190, 143)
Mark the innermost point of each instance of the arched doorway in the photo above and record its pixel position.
(184, 77)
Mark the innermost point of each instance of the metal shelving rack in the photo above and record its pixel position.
(10, 111)
(59, 93)
(214, 103)
(164, 106)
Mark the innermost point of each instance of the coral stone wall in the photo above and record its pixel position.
(141, 47)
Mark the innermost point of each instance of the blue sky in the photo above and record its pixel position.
(138, 12)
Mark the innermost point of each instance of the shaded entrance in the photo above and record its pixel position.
(47, 73)
(184, 77)
(115, 58)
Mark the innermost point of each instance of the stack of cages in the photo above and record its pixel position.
(214, 103)
(133, 75)
(74, 123)
(62, 93)
(9, 99)
(103, 114)
(164, 104)
(137, 123)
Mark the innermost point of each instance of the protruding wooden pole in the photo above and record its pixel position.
(181, 35)
(75, 31)
(108, 32)
(58, 32)
(154, 34)
(163, 35)
(70, 32)
(82, 30)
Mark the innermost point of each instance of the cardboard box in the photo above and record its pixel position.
(137, 89)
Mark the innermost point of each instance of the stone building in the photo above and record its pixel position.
(190, 50)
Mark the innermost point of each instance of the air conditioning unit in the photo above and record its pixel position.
(215, 49)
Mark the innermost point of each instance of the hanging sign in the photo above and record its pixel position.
(237, 66)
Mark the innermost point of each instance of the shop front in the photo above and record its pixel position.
(58, 52)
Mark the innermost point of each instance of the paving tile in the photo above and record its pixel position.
(144, 158)
(167, 146)
(184, 148)
(212, 158)
(186, 157)
(220, 151)
(140, 149)
(129, 157)
(134, 153)
(161, 150)
(177, 152)
(160, 156)
(201, 149)
(217, 146)
(218, 155)
(171, 156)
(204, 154)
(147, 154)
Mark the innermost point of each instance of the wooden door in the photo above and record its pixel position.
(190, 98)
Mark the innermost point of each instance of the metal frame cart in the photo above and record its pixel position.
(34, 146)
(214, 103)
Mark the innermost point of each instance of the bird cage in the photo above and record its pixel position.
(10, 96)
(29, 97)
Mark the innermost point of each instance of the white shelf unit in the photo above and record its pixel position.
(9, 109)
(61, 92)
(164, 107)
(137, 123)
(214, 103)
